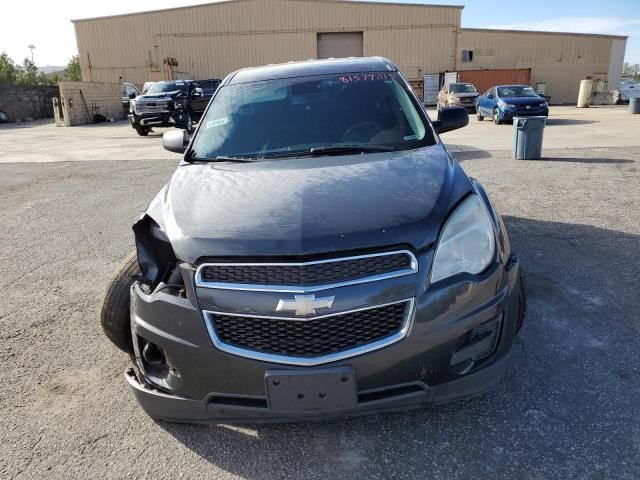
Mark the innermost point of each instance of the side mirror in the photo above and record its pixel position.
(133, 95)
(197, 93)
(451, 118)
(175, 141)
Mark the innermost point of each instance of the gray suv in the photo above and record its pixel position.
(317, 252)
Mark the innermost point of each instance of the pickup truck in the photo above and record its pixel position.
(177, 103)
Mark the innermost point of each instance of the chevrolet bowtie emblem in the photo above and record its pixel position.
(304, 304)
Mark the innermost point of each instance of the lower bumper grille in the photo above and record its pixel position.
(280, 339)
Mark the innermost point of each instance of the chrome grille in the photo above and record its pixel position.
(151, 107)
(306, 275)
(311, 341)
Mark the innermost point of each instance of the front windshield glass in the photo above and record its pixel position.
(462, 88)
(164, 87)
(511, 92)
(287, 116)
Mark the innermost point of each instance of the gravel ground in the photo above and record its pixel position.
(568, 407)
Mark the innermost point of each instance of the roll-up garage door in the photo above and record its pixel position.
(340, 44)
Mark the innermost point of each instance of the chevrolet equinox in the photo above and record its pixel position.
(317, 252)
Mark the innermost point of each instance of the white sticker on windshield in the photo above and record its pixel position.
(217, 122)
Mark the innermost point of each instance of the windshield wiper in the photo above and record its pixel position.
(224, 158)
(329, 149)
(192, 157)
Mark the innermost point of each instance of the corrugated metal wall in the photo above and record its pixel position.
(485, 79)
(215, 39)
(559, 60)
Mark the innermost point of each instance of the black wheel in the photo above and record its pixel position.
(115, 309)
(4, 117)
(479, 115)
(496, 117)
(143, 131)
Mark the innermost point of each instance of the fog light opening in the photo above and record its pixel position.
(481, 343)
(152, 354)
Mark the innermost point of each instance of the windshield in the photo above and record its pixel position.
(294, 115)
(462, 88)
(163, 87)
(511, 92)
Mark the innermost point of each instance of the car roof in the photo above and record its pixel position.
(500, 86)
(330, 66)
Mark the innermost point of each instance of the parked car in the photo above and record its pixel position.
(504, 102)
(628, 89)
(177, 103)
(317, 252)
(458, 94)
(129, 92)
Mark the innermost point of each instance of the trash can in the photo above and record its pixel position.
(634, 104)
(527, 137)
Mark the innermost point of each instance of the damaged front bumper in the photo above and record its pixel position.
(432, 364)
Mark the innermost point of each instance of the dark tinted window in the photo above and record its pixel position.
(281, 116)
(164, 87)
(516, 91)
(209, 87)
(129, 90)
(462, 88)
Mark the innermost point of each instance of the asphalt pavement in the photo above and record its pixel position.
(568, 407)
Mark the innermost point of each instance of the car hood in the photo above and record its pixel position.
(523, 100)
(466, 95)
(159, 96)
(309, 205)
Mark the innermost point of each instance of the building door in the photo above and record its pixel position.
(340, 45)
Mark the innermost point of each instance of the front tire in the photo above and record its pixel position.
(117, 302)
(479, 115)
(496, 116)
(143, 131)
(4, 117)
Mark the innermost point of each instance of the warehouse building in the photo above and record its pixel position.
(425, 41)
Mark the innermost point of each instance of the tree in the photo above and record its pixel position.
(73, 72)
(7, 69)
(27, 73)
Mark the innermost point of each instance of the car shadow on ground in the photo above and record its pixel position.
(467, 152)
(563, 390)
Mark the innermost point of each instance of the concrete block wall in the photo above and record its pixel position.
(81, 101)
(22, 102)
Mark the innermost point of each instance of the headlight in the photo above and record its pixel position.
(467, 241)
(502, 103)
(454, 100)
(132, 106)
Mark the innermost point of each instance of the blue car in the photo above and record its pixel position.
(503, 102)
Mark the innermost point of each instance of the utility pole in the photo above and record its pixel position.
(32, 48)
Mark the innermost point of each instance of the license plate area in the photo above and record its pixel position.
(317, 390)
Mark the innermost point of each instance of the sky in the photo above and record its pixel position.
(48, 26)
